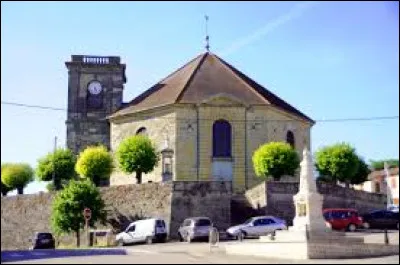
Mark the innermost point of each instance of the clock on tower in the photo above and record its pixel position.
(95, 87)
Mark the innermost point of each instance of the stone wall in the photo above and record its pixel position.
(207, 198)
(23, 215)
(278, 198)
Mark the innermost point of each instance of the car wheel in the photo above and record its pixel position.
(188, 238)
(352, 227)
(366, 225)
(180, 238)
(241, 235)
(120, 243)
(149, 240)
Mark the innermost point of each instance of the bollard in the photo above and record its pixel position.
(386, 237)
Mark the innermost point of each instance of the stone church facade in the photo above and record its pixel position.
(206, 119)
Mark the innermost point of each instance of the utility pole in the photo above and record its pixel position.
(54, 165)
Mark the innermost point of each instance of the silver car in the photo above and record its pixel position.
(257, 226)
(195, 228)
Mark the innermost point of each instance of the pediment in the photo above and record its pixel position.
(223, 100)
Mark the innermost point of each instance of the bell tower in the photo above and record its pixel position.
(95, 89)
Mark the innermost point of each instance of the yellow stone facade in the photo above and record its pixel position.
(189, 130)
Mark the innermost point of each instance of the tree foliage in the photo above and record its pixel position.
(338, 162)
(68, 205)
(16, 175)
(362, 172)
(137, 154)
(94, 163)
(61, 163)
(379, 164)
(275, 159)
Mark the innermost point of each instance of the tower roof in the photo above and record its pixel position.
(203, 77)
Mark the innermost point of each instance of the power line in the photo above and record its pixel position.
(239, 120)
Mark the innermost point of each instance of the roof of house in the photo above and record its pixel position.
(206, 76)
(381, 173)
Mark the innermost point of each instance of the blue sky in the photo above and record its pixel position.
(328, 59)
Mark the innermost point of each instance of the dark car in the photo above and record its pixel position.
(381, 219)
(43, 241)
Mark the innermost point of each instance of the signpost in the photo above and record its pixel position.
(87, 214)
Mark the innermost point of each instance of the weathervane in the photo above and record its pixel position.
(207, 37)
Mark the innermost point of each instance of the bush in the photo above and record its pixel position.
(275, 159)
(338, 162)
(60, 164)
(95, 163)
(137, 154)
(16, 176)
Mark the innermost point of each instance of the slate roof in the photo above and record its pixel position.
(205, 76)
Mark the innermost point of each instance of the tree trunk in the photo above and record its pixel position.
(139, 177)
(347, 185)
(20, 190)
(78, 238)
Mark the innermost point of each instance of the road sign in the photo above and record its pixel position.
(87, 213)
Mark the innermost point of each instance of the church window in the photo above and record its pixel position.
(290, 138)
(222, 138)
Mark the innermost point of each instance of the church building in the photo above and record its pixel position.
(206, 119)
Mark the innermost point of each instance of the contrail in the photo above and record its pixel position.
(294, 13)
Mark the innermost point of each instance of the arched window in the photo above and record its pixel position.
(141, 131)
(222, 138)
(290, 138)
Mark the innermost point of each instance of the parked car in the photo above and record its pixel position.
(257, 226)
(147, 230)
(343, 219)
(381, 219)
(43, 240)
(393, 208)
(195, 228)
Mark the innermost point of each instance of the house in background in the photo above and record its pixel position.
(376, 183)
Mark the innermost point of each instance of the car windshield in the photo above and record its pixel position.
(203, 222)
(249, 221)
(44, 236)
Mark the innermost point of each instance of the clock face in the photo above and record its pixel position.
(94, 88)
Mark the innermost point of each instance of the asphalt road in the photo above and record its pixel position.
(180, 253)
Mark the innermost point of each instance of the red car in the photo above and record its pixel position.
(343, 219)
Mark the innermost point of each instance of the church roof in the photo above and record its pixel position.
(205, 76)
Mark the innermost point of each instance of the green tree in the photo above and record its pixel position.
(137, 154)
(94, 163)
(69, 203)
(379, 164)
(16, 176)
(4, 189)
(362, 172)
(275, 159)
(338, 162)
(59, 164)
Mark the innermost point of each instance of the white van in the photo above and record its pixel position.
(148, 230)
